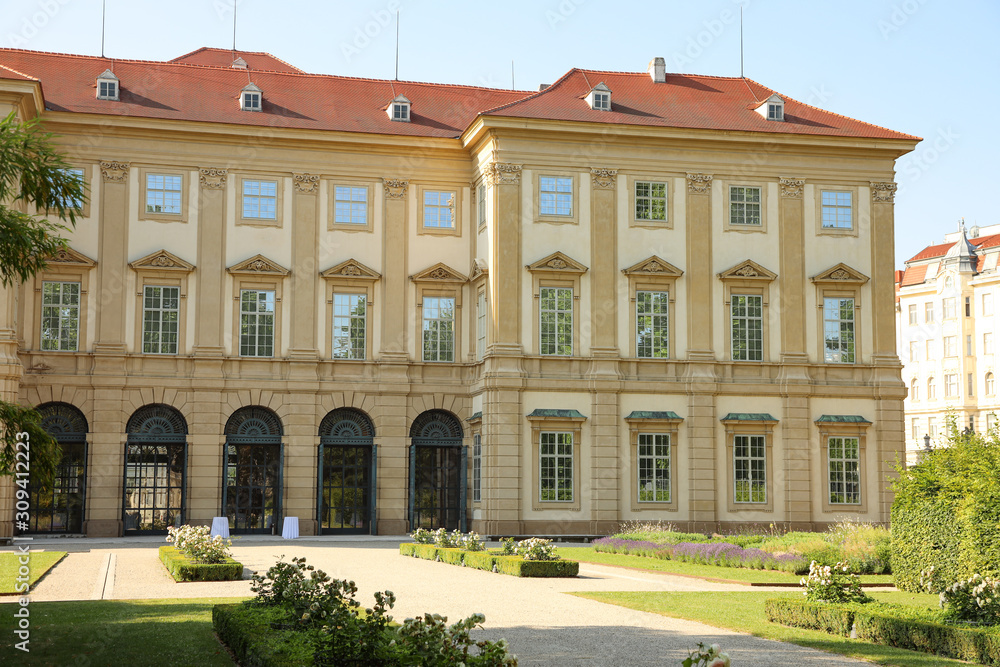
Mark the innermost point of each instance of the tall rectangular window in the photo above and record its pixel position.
(987, 304)
(77, 175)
(654, 467)
(968, 346)
(845, 477)
(555, 310)
(439, 209)
(987, 343)
(60, 316)
(932, 427)
(482, 205)
(914, 346)
(749, 469)
(948, 308)
(652, 312)
(163, 193)
(930, 350)
(747, 319)
(477, 468)
(555, 467)
(929, 312)
(951, 346)
(951, 385)
(972, 384)
(913, 313)
(555, 195)
(915, 428)
(260, 199)
(837, 210)
(838, 330)
(350, 205)
(439, 328)
(651, 201)
(744, 205)
(160, 319)
(256, 323)
(968, 306)
(481, 324)
(350, 325)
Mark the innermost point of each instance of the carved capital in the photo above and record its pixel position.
(791, 188)
(604, 179)
(307, 184)
(883, 192)
(502, 173)
(212, 178)
(114, 172)
(394, 188)
(699, 184)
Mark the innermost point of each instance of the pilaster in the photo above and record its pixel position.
(394, 270)
(211, 274)
(699, 267)
(393, 442)
(112, 260)
(703, 465)
(604, 263)
(301, 445)
(507, 269)
(792, 281)
(797, 440)
(305, 262)
(206, 446)
(883, 258)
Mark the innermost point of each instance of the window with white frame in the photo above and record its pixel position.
(987, 304)
(256, 323)
(251, 98)
(555, 312)
(971, 384)
(555, 195)
(477, 468)
(951, 346)
(60, 316)
(929, 312)
(260, 199)
(651, 201)
(914, 390)
(914, 346)
(915, 428)
(744, 205)
(76, 174)
(948, 308)
(844, 457)
(350, 206)
(749, 469)
(652, 313)
(991, 421)
(775, 111)
(913, 313)
(930, 350)
(654, 467)
(481, 324)
(838, 330)
(987, 343)
(932, 427)
(481, 206)
(968, 346)
(163, 193)
(968, 306)
(747, 326)
(602, 101)
(555, 476)
(439, 328)
(107, 86)
(837, 210)
(439, 209)
(931, 389)
(350, 326)
(951, 385)
(160, 319)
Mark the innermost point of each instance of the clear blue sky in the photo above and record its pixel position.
(924, 67)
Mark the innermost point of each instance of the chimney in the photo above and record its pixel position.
(658, 70)
(543, 86)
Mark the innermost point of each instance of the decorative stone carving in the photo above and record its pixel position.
(653, 266)
(747, 272)
(791, 188)
(840, 274)
(352, 269)
(479, 268)
(212, 178)
(394, 188)
(70, 256)
(162, 259)
(883, 192)
(699, 184)
(556, 263)
(502, 173)
(307, 184)
(114, 172)
(440, 272)
(259, 265)
(604, 179)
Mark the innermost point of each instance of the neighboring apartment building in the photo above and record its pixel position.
(946, 325)
(377, 305)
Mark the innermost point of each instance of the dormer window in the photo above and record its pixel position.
(600, 98)
(239, 63)
(773, 108)
(107, 86)
(399, 109)
(251, 98)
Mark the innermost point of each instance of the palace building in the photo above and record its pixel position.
(377, 305)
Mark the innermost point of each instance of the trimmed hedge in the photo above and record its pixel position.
(493, 562)
(182, 568)
(249, 634)
(890, 626)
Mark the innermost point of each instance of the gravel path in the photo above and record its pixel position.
(543, 625)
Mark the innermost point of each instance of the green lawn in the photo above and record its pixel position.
(744, 612)
(589, 555)
(40, 563)
(151, 633)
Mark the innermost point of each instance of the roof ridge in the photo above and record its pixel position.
(533, 95)
(251, 53)
(26, 76)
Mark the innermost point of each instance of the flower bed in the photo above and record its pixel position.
(891, 625)
(492, 561)
(705, 553)
(182, 568)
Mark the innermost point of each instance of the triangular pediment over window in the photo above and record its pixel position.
(353, 269)
(439, 273)
(70, 257)
(479, 268)
(258, 265)
(841, 274)
(653, 266)
(748, 270)
(162, 260)
(557, 262)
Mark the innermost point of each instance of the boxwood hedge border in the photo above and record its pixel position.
(492, 562)
(182, 568)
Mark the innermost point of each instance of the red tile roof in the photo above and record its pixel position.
(941, 249)
(914, 275)
(8, 73)
(225, 57)
(684, 101)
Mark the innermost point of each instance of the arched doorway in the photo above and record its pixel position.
(347, 461)
(59, 507)
(437, 472)
(251, 491)
(155, 468)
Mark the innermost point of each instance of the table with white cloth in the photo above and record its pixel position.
(290, 529)
(220, 526)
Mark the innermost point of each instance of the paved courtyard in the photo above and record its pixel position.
(541, 622)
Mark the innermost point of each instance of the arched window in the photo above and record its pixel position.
(251, 489)
(989, 384)
(437, 472)
(155, 464)
(59, 507)
(347, 465)
(931, 389)
(914, 390)
(949, 281)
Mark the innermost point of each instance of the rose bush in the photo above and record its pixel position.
(197, 543)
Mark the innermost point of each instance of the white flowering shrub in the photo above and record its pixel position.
(472, 542)
(422, 536)
(197, 543)
(711, 656)
(975, 600)
(535, 548)
(508, 546)
(832, 584)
